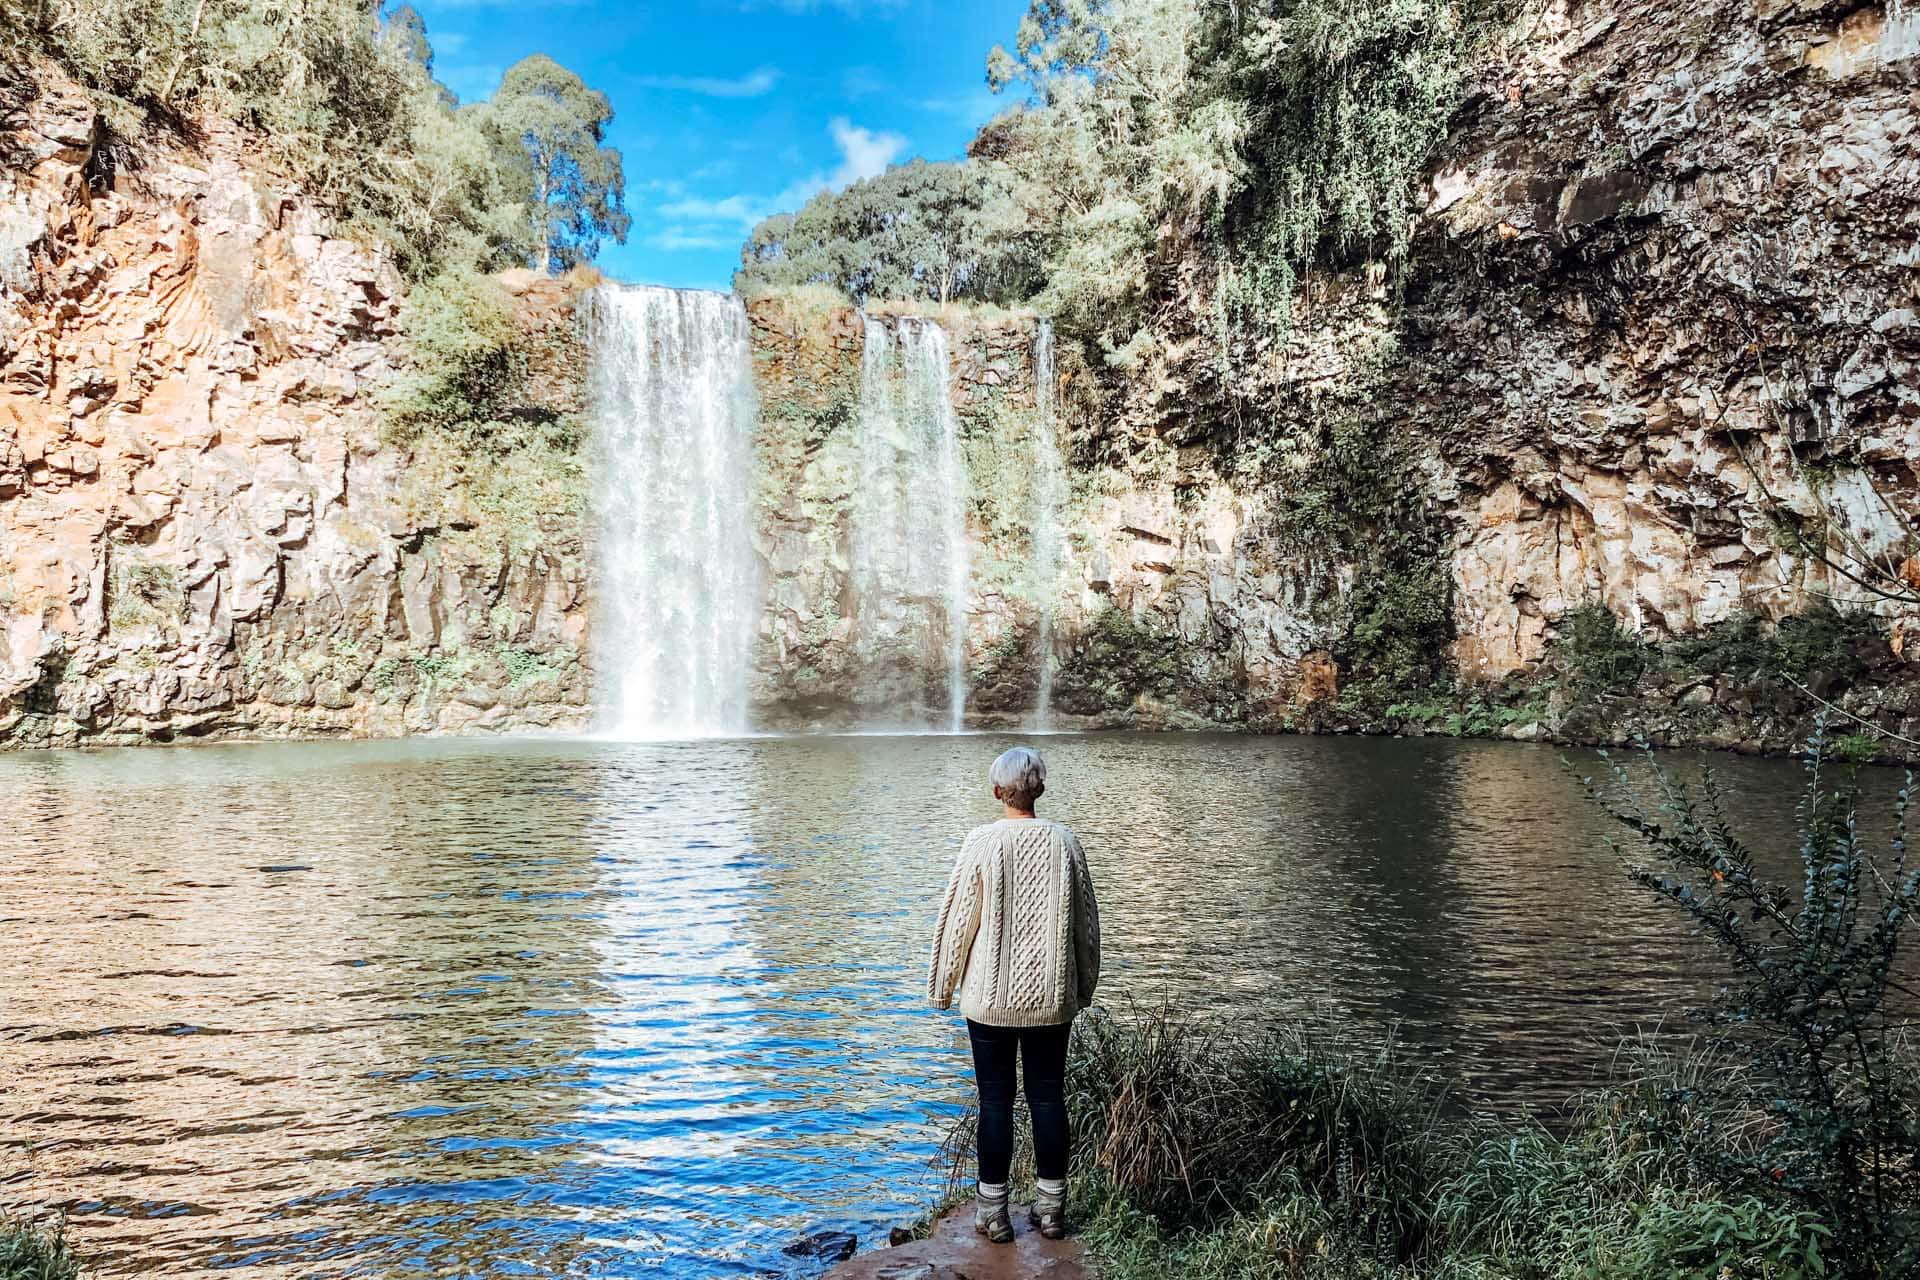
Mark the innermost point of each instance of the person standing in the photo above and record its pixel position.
(1018, 942)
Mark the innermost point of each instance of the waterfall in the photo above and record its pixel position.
(678, 597)
(1049, 492)
(910, 557)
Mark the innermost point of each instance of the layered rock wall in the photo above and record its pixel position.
(201, 532)
(1656, 335)
(1657, 329)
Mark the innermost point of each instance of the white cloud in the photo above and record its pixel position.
(676, 239)
(742, 209)
(864, 153)
(754, 84)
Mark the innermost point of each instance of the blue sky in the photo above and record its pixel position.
(728, 110)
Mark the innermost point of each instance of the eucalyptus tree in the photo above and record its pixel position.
(551, 131)
(940, 232)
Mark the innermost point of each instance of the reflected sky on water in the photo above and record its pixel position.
(581, 1008)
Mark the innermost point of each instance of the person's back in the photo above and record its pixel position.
(1019, 942)
(1018, 934)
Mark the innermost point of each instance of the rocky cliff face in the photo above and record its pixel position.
(200, 530)
(1657, 331)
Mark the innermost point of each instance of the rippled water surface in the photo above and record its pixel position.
(547, 1008)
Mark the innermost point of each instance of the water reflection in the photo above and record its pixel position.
(590, 1008)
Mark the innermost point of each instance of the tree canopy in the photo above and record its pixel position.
(553, 131)
(1158, 148)
(346, 102)
(919, 230)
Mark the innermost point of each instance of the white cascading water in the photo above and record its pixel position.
(911, 569)
(678, 601)
(1049, 493)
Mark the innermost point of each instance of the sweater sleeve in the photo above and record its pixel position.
(953, 935)
(1086, 924)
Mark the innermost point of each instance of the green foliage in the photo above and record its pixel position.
(1267, 136)
(940, 232)
(35, 1251)
(465, 363)
(1401, 626)
(142, 592)
(1827, 1122)
(1190, 1127)
(1744, 1237)
(1157, 135)
(1290, 1155)
(1824, 645)
(347, 106)
(552, 128)
(1339, 103)
(1345, 493)
(467, 383)
(524, 666)
(1827, 642)
(1854, 748)
(1600, 655)
(1114, 662)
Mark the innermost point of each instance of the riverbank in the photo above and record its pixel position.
(1782, 1142)
(951, 1249)
(1211, 1156)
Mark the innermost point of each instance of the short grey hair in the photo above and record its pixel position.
(1019, 771)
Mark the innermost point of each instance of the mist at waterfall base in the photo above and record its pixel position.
(570, 1008)
(678, 590)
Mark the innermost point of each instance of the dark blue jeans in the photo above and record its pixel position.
(1043, 1052)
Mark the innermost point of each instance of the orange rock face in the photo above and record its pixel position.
(200, 529)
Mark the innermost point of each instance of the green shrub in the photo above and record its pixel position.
(1597, 653)
(463, 362)
(142, 592)
(1115, 661)
(1821, 647)
(467, 379)
(1826, 643)
(1401, 628)
(1827, 1120)
(1743, 1237)
(35, 1251)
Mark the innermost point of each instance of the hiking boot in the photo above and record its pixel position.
(991, 1220)
(1049, 1216)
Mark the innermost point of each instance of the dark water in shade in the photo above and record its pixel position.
(500, 1009)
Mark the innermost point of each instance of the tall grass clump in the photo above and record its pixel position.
(35, 1251)
(1188, 1127)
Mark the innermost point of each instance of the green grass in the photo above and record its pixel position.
(35, 1250)
(1298, 1153)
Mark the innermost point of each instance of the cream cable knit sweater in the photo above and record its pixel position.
(1019, 931)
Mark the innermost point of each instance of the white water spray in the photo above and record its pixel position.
(678, 588)
(1049, 493)
(910, 557)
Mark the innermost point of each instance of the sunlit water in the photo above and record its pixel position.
(501, 1009)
